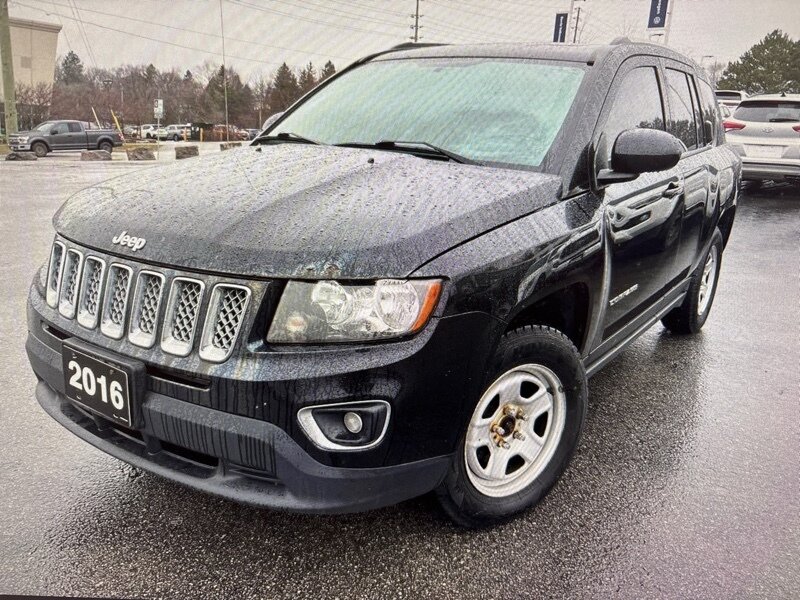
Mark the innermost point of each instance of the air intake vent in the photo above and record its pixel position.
(180, 321)
(91, 288)
(54, 273)
(70, 282)
(144, 310)
(224, 318)
(115, 305)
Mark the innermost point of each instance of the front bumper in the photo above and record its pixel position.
(20, 147)
(202, 439)
(262, 465)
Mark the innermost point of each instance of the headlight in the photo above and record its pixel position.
(21, 140)
(328, 311)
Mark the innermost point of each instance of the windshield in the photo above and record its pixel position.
(768, 111)
(505, 111)
(43, 126)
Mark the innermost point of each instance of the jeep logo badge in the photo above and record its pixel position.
(123, 239)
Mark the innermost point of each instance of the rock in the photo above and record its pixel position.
(229, 145)
(140, 154)
(21, 156)
(95, 155)
(186, 152)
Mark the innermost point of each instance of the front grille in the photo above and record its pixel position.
(123, 298)
(180, 321)
(226, 311)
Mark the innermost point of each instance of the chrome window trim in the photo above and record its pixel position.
(53, 293)
(108, 327)
(309, 426)
(168, 343)
(208, 351)
(135, 335)
(68, 307)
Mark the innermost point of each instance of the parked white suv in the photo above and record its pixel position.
(765, 131)
(175, 132)
(148, 131)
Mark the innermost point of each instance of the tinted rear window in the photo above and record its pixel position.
(768, 111)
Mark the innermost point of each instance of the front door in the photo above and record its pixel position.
(642, 217)
(59, 138)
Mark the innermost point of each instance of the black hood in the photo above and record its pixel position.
(296, 210)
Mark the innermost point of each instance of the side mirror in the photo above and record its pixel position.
(271, 119)
(638, 151)
(54, 131)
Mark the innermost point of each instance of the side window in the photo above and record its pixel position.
(75, 127)
(637, 103)
(698, 117)
(59, 128)
(708, 102)
(681, 122)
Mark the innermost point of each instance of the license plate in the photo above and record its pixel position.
(764, 151)
(97, 385)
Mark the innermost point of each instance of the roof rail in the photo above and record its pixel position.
(411, 45)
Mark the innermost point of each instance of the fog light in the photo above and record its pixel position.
(345, 426)
(353, 422)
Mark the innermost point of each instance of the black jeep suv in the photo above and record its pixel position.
(401, 286)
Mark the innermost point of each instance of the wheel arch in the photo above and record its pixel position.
(565, 309)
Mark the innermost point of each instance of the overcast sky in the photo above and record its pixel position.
(261, 34)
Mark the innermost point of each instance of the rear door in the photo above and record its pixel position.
(685, 122)
(643, 216)
(77, 136)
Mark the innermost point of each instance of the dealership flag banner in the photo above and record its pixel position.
(560, 31)
(658, 14)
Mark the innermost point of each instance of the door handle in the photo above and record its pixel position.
(675, 188)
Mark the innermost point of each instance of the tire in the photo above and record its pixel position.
(534, 366)
(107, 146)
(691, 315)
(175, 138)
(40, 149)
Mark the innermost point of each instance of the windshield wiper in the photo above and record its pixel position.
(406, 146)
(286, 136)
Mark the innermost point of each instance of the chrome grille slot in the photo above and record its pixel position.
(181, 316)
(91, 287)
(70, 282)
(145, 307)
(54, 273)
(118, 285)
(224, 318)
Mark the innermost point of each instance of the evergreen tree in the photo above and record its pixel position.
(285, 89)
(71, 70)
(327, 71)
(771, 66)
(308, 78)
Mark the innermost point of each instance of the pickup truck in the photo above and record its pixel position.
(402, 285)
(63, 135)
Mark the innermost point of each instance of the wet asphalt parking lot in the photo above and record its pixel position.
(686, 483)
